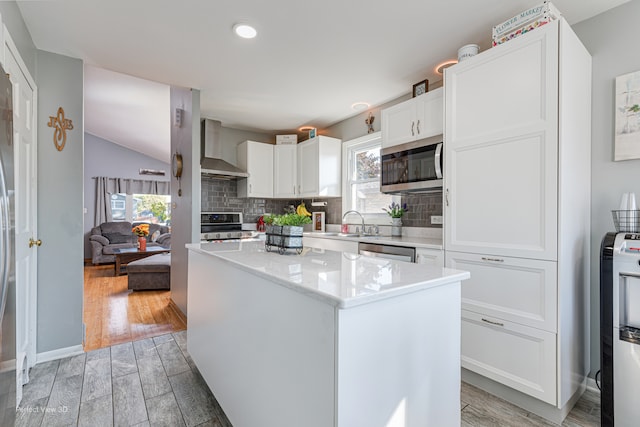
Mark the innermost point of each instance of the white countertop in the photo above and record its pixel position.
(411, 241)
(341, 279)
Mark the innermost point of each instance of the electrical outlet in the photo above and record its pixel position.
(436, 219)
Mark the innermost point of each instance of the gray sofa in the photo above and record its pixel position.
(114, 235)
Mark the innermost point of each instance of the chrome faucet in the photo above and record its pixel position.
(361, 217)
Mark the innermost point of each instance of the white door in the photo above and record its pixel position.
(308, 168)
(430, 114)
(284, 170)
(501, 149)
(260, 168)
(399, 124)
(25, 160)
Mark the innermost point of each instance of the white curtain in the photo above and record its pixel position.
(106, 186)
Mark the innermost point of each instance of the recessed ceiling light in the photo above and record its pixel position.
(305, 128)
(245, 31)
(440, 68)
(359, 106)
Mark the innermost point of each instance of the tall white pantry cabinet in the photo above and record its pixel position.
(517, 215)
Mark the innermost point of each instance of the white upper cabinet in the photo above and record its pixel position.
(319, 167)
(501, 150)
(285, 175)
(257, 159)
(417, 118)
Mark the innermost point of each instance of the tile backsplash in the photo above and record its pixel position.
(221, 195)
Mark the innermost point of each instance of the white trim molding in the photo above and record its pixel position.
(60, 353)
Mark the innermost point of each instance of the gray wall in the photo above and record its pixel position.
(185, 209)
(12, 18)
(60, 193)
(612, 40)
(105, 158)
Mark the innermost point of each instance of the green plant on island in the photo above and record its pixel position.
(268, 219)
(291, 219)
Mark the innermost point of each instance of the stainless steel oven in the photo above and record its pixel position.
(412, 167)
(222, 226)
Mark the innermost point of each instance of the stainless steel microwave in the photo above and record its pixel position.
(412, 167)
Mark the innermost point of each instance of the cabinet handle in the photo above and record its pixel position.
(418, 127)
(294, 189)
(412, 126)
(492, 259)
(493, 323)
(249, 188)
(446, 197)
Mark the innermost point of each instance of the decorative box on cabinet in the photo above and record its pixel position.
(257, 159)
(516, 193)
(320, 167)
(417, 118)
(285, 178)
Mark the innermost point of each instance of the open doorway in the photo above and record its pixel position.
(126, 183)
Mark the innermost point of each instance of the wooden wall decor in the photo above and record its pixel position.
(61, 126)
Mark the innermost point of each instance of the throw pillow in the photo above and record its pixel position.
(118, 238)
(155, 235)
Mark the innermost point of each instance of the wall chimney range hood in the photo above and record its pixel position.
(211, 163)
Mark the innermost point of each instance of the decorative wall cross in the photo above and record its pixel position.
(61, 126)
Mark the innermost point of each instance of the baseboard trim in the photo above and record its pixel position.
(592, 386)
(59, 353)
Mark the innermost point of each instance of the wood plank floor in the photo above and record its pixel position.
(114, 314)
(481, 409)
(154, 382)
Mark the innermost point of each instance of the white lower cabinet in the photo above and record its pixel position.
(433, 257)
(520, 357)
(514, 289)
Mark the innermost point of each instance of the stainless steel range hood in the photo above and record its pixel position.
(211, 163)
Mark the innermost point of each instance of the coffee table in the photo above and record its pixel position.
(126, 255)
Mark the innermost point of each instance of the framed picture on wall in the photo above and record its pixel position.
(627, 127)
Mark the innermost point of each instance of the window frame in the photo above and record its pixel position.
(348, 151)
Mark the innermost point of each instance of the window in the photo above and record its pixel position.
(361, 186)
(153, 208)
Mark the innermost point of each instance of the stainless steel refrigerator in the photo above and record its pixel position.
(7, 258)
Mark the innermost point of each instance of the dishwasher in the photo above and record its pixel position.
(398, 253)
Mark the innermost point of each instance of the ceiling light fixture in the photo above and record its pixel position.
(305, 128)
(359, 106)
(245, 31)
(440, 68)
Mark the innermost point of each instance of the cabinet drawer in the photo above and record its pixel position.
(517, 356)
(514, 289)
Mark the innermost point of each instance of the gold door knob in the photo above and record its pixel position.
(33, 243)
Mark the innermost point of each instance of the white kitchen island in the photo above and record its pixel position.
(324, 338)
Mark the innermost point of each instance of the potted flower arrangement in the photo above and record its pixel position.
(396, 212)
(285, 231)
(142, 231)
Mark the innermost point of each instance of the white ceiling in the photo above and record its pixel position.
(309, 63)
